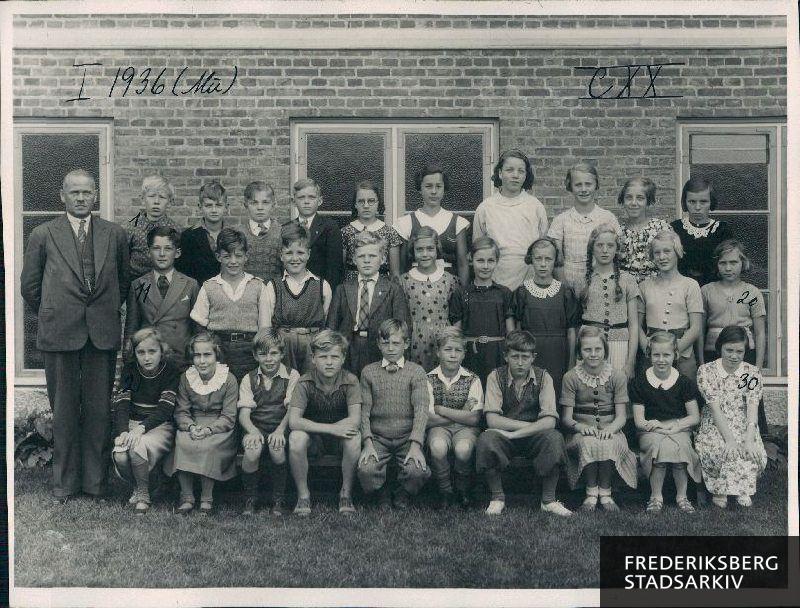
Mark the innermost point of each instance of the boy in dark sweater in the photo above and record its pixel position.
(396, 402)
(325, 410)
(263, 233)
(199, 243)
(263, 398)
(521, 416)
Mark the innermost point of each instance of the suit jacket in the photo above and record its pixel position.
(325, 240)
(197, 259)
(52, 285)
(388, 302)
(170, 315)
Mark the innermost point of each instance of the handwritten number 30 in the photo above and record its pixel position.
(745, 381)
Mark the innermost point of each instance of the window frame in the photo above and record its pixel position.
(103, 128)
(394, 159)
(775, 130)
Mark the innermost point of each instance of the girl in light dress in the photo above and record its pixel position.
(594, 397)
(728, 443)
(512, 217)
(367, 207)
(665, 412)
(428, 289)
(571, 229)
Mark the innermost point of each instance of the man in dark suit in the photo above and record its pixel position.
(164, 297)
(75, 276)
(324, 235)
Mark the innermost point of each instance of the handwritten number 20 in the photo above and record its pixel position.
(745, 381)
(745, 295)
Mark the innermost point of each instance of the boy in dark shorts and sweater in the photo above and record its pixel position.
(393, 418)
(521, 415)
(263, 397)
(325, 406)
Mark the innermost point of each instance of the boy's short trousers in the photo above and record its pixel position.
(322, 444)
(452, 434)
(546, 449)
(373, 474)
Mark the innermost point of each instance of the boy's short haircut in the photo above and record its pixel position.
(484, 242)
(165, 231)
(214, 191)
(544, 241)
(326, 340)
(449, 334)
(267, 339)
(366, 237)
(257, 186)
(204, 336)
(391, 326)
(229, 239)
(522, 341)
(305, 182)
(157, 182)
(292, 233)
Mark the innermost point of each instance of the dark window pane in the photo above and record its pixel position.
(32, 358)
(461, 155)
(337, 161)
(47, 158)
(753, 231)
(739, 186)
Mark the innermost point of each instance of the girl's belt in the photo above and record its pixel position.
(235, 336)
(606, 326)
(677, 332)
(482, 340)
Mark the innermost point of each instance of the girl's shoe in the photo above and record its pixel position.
(555, 507)
(685, 505)
(606, 501)
(590, 502)
(206, 507)
(495, 507)
(654, 505)
(720, 501)
(141, 507)
(744, 501)
(185, 507)
(303, 507)
(346, 505)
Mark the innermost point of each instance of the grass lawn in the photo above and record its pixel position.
(82, 544)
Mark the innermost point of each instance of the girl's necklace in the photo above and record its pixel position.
(730, 292)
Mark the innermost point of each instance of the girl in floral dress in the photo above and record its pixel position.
(428, 289)
(367, 206)
(638, 231)
(728, 443)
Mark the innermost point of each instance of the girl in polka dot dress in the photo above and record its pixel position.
(428, 288)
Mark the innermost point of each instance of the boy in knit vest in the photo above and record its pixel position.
(521, 416)
(233, 304)
(453, 425)
(325, 414)
(298, 303)
(264, 395)
(394, 413)
(262, 232)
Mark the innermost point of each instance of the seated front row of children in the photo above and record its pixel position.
(379, 423)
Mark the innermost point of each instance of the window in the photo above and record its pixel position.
(747, 163)
(45, 151)
(339, 154)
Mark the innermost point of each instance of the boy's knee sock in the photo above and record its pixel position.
(250, 484)
(279, 474)
(206, 489)
(494, 481)
(441, 471)
(141, 472)
(549, 483)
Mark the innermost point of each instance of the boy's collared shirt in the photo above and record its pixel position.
(401, 362)
(75, 223)
(344, 378)
(493, 403)
(200, 311)
(212, 240)
(167, 275)
(297, 287)
(475, 388)
(246, 392)
(306, 221)
(256, 228)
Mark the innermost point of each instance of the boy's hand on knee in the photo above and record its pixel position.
(276, 440)
(416, 456)
(367, 453)
(252, 441)
(345, 430)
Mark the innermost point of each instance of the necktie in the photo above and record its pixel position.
(262, 228)
(363, 306)
(163, 285)
(304, 223)
(392, 368)
(82, 232)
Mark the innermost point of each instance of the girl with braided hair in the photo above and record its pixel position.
(609, 300)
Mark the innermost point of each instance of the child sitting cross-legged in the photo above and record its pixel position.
(393, 418)
(263, 397)
(520, 408)
(325, 413)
